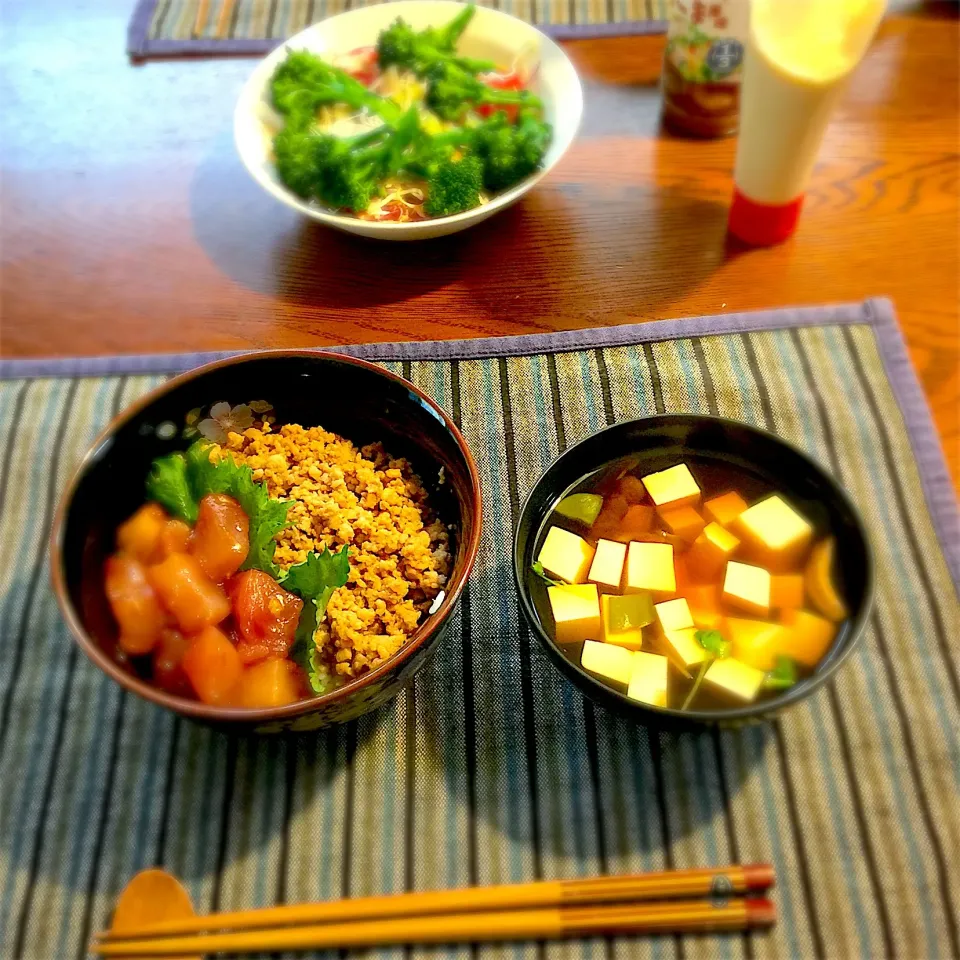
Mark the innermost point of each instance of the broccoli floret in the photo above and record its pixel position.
(339, 172)
(420, 50)
(453, 185)
(510, 151)
(397, 45)
(348, 175)
(295, 151)
(304, 82)
(342, 172)
(451, 91)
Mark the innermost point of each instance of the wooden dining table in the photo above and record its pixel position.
(128, 225)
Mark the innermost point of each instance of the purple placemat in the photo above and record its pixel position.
(877, 313)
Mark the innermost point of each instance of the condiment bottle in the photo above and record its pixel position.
(702, 66)
(799, 54)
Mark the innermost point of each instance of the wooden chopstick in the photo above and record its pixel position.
(549, 923)
(662, 885)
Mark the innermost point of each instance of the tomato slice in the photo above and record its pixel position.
(511, 80)
(221, 538)
(361, 63)
(134, 604)
(266, 616)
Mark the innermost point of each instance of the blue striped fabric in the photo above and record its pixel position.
(491, 768)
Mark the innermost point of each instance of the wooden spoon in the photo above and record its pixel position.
(151, 896)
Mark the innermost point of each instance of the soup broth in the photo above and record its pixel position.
(695, 586)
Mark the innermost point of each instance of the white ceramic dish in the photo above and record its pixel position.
(491, 35)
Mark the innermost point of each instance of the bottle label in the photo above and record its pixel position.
(705, 39)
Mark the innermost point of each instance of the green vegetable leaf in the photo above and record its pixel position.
(318, 576)
(712, 641)
(782, 676)
(168, 484)
(267, 518)
(537, 568)
(314, 581)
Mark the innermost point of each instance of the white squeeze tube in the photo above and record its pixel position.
(799, 53)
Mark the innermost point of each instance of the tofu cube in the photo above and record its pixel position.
(606, 571)
(674, 615)
(623, 619)
(747, 587)
(684, 645)
(576, 612)
(704, 602)
(674, 487)
(757, 642)
(736, 679)
(725, 509)
(608, 661)
(566, 556)
(786, 591)
(683, 522)
(636, 521)
(648, 682)
(808, 636)
(650, 568)
(711, 550)
(774, 533)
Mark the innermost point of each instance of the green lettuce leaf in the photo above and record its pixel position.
(168, 484)
(314, 581)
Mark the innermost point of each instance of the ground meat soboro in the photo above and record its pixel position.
(399, 556)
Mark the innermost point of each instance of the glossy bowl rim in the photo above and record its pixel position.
(194, 708)
(753, 711)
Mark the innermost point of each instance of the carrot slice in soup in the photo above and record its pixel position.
(818, 580)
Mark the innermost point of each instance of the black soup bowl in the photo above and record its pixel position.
(766, 463)
(353, 398)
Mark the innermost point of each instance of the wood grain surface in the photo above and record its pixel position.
(129, 226)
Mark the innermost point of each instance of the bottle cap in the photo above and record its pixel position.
(762, 224)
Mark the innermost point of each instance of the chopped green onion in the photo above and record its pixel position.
(537, 568)
(782, 676)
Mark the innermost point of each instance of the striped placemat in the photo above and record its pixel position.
(164, 28)
(491, 768)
